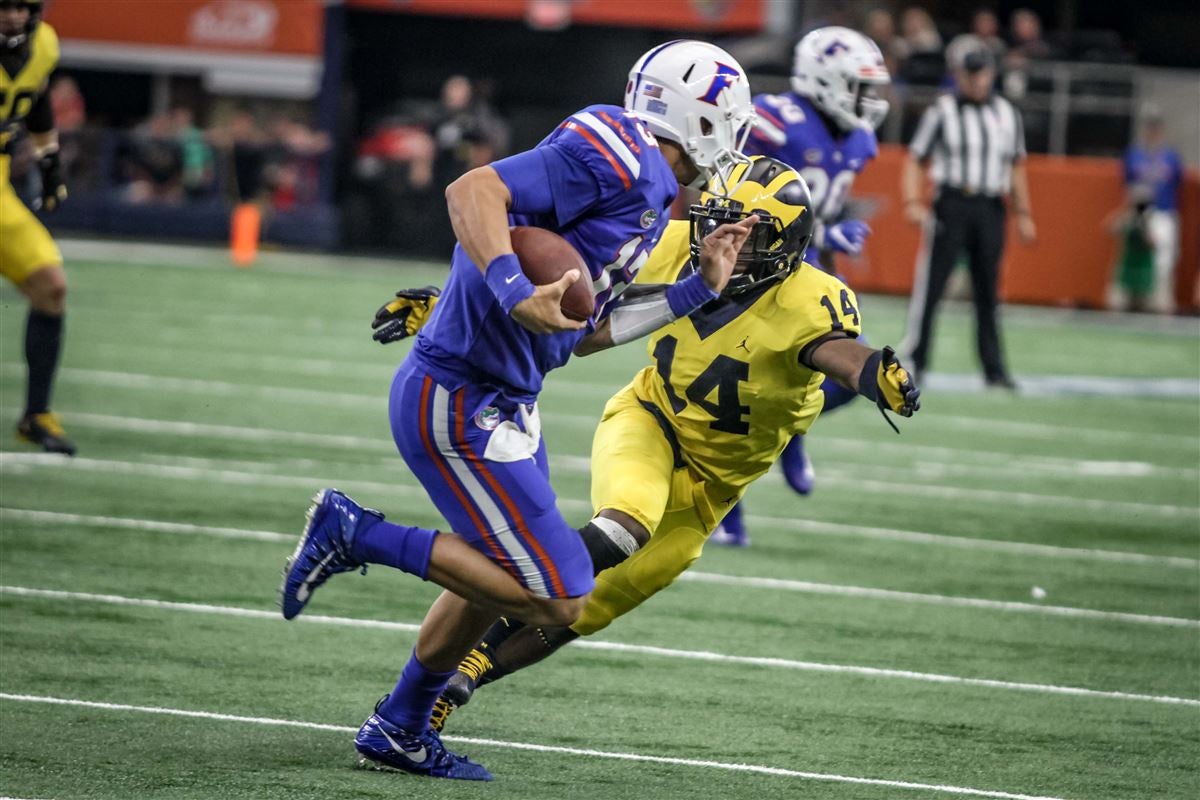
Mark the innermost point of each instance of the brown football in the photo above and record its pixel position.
(544, 257)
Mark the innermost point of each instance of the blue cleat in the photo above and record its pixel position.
(797, 469)
(324, 550)
(732, 531)
(382, 744)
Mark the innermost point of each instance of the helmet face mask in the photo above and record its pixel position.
(840, 71)
(775, 247)
(13, 41)
(695, 95)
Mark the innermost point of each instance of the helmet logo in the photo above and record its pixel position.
(836, 46)
(726, 76)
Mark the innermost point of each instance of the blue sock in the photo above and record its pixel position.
(836, 395)
(411, 702)
(733, 521)
(401, 546)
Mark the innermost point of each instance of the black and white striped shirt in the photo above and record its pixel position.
(972, 145)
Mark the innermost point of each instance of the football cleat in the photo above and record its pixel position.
(45, 431)
(797, 469)
(474, 666)
(442, 710)
(324, 549)
(384, 745)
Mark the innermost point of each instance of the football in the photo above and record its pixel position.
(544, 257)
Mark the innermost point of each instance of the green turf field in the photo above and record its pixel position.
(881, 639)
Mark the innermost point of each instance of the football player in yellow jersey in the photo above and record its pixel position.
(28, 256)
(729, 386)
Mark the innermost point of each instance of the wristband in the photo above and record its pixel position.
(868, 379)
(507, 282)
(689, 294)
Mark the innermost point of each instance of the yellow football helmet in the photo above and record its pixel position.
(780, 197)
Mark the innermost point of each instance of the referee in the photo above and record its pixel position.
(975, 142)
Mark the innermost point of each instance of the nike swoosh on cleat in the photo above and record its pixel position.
(417, 757)
(302, 591)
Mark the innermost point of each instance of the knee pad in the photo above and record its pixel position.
(607, 542)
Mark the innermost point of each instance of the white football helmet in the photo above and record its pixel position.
(838, 70)
(695, 95)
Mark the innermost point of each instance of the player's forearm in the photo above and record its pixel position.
(478, 205)
(643, 309)
(843, 360)
(44, 142)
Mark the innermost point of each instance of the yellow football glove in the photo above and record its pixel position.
(405, 315)
(896, 390)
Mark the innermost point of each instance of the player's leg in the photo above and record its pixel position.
(984, 250)
(932, 273)
(633, 466)
(30, 259)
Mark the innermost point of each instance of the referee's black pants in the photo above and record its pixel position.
(974, 224)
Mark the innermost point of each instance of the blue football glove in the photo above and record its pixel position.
(405, 315)
(847, 236)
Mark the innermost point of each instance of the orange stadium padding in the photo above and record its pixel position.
(1070, 265)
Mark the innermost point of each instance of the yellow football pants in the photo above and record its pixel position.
(25, 244)
(633, 470)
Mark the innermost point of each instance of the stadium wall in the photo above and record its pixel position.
(1072, 262)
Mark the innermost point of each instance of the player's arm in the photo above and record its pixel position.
(875, 374)
(40, 124)
(644, 308)
(479, 203)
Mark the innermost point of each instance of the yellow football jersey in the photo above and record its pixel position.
(728, 377)
(18, 92)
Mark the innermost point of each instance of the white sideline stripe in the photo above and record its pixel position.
(987, 462)
(578, 464)
(782, 584)
(539, 748)
(840, 590)
(19, 461)
(977, 425)
(591, 644)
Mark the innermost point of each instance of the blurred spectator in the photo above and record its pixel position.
(1027, 41)
(291, 167)
(1134, 276)
(880, 25)
(465, 129)
(70, 112)
(247, 143)
(1153, 169)
(986, 26)
(154, 163)
(919, 34)
(195, 154)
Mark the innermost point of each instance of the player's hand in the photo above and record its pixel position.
(897, 392)
(916, 212)
(1026, 229)
(405, 315)
(54, 191)
(719, 251)
(541, 312)
(847, 236)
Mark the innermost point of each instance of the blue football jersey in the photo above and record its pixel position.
(612, 189)
(1157, 172)
(790, 129)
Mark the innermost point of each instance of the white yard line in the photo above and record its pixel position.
(780, 584)
(591, 644)
(841, 590)
(540, 748)
(17, 462)
(944, 461)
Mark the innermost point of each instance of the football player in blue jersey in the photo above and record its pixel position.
(824, 128)
(463, 403)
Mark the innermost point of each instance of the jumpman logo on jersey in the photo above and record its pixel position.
(743, 344)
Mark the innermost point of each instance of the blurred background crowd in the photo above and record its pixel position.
(356, 151)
